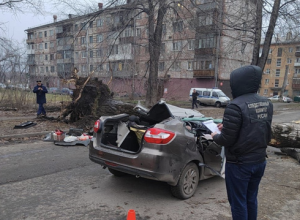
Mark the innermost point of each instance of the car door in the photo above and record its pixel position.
(214, 158)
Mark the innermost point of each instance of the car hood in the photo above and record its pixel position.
(162, 110)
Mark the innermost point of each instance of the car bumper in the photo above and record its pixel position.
(149, 163)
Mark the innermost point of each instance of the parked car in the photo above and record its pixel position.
(165, 143)
(53, 90)
(66, 91)
(283, 99)
(2, 85)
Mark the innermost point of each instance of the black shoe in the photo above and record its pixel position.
(44, 115)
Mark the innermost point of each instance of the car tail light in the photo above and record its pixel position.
(97, 126)
(158, 136)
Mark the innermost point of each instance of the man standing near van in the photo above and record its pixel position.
(194, 98)
(245, 133)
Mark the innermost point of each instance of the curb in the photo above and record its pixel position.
(25, 135)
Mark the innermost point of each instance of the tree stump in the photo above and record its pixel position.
(90, 100)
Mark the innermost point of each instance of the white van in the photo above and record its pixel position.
(211, 97)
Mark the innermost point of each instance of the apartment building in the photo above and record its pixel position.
(201, 44)
(283, 63)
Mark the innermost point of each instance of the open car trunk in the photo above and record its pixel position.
(125, 133)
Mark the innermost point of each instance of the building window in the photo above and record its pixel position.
(267, 71)
(297, 71)
(51, 44)
(289, 60)
(83, 54)
(99, 53)
(266, 81)
(279, 52)
(113, 49)
(45, 33)
(99, 67)
(164, 28)
(99, 23)
(83, 67)
(297, 60)
(191, 44)
(290, 49)
(83, 40)
(91, 54)
(177, 45)
(207, 42)
(51, 32)
(91, 68)
(91, 24)
(83, 26)
(178, 26)
(276, 82)
(52, 69)
(67, 54)
(277, 73)
(265, 91)
(40, 34)
(40, 46)
(99, 38)
(203, 65)
(138, 32)
(76, 27)
(127, 32)
(47, 69)
(46, 57)
(41, 69)
(51, 56)
(298, 49)
(269, 61)
(161, 66)
(270, 51)
(176, 66)
(46, 46)
(206, 19)
(278, 63)
(162, 47)
(190, 65)
(91, 39)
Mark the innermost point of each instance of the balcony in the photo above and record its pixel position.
(30, 41)
(31, 62)
(208, 6)
(204, 73)
(126, 40)
(275, 88)
(297, 53)
(205, 51)
(296, 64)
(295, 86)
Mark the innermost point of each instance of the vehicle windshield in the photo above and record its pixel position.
(221, 94)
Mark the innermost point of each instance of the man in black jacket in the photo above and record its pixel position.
(194, 98)
(245, 133)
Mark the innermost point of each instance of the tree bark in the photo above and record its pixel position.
(268, 39)
(258, 28)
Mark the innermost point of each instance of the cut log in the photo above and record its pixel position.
(292, 153)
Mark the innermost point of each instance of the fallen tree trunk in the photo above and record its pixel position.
(286, 137)
(292, 153)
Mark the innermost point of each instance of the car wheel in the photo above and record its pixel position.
(187, 183)
(218, 104)
(198, 102)
(116, 172)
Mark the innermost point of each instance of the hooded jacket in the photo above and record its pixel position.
(247, 119)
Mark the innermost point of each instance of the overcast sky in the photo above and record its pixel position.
(13, 25)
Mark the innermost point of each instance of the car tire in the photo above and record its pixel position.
(198, 102)
(187, 183)
(218, 104)
(116, 172)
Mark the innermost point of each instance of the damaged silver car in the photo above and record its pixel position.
(166, 143)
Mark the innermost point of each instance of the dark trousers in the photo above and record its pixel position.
(242, 181)
(194, 103)
(41, 110)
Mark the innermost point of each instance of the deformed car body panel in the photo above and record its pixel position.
(163, 162)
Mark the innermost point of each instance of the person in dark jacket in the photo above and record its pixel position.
(194, 98)
(40, 91)
(245, 133)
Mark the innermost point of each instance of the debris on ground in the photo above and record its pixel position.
(24, 125)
